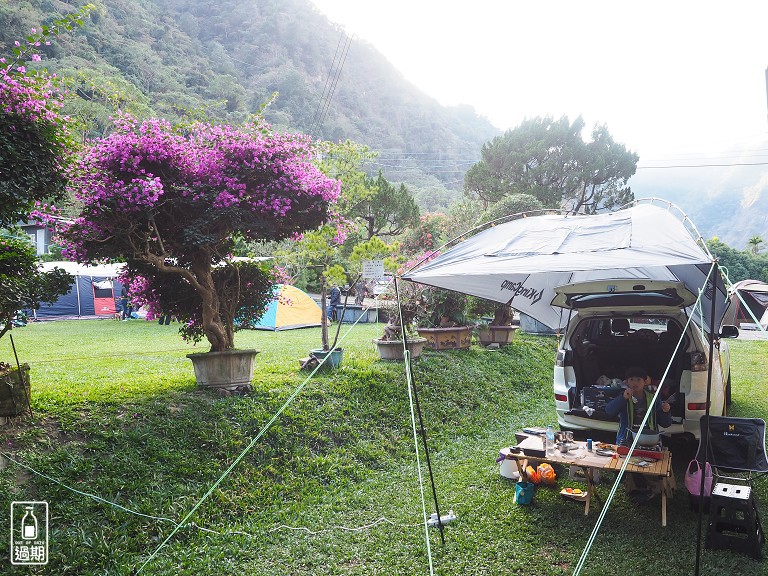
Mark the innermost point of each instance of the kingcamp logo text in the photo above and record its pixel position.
(520, 289)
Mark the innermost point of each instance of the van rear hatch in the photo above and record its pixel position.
(630, 295)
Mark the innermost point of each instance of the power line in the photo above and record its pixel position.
(335, 82)
(334, 72)
(727, 165)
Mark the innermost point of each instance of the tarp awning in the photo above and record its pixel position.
(521, 262)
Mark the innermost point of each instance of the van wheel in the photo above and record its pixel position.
(728, 391)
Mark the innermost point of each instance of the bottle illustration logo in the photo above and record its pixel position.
(29, 524)
(29, 533)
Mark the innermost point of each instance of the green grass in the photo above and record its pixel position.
(117, 414)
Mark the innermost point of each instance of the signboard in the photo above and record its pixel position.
(373, 269)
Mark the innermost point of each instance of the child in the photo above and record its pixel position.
(632, 405)
(631, 408)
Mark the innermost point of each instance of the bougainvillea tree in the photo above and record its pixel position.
(171, 203)
(35, 139)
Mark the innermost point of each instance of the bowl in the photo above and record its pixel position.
(647, 437)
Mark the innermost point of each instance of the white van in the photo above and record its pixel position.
(615, 324)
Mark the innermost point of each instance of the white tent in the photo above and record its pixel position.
(521, 262)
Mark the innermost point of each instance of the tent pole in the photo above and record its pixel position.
(712, 330)
(422, 430)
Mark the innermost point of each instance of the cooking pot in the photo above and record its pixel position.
(647, 437)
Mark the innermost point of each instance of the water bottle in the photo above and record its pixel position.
(550, 440)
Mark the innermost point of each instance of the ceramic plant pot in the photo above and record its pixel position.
(227, 370)
(501, 335)
(456, 338)
(393, 349)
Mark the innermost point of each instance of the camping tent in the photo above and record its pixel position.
(521, 262)
(749, 302)
(293, 308)
(92, 293)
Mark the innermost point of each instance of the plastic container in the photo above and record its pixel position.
(508, 469)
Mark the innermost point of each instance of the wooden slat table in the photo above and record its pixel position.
(590, 461)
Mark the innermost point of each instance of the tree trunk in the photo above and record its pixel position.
(219, 337)
(323, 314)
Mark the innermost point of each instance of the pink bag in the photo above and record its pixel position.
(693, 478)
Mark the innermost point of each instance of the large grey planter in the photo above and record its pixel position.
(227, 370)
(393, 349)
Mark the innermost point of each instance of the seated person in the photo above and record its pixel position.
(631, 408)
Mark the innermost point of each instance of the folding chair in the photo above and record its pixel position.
(736, 452)
(736, 446)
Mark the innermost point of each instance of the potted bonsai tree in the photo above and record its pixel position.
(501, 328)
(403, 316)
(446, 325)
(318, 250)
(171, 203)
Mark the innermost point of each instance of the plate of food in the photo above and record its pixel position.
(574, 493)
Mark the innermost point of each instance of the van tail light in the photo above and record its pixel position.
(561, 397)
(564, 358)
(699, 362)
(697, 405)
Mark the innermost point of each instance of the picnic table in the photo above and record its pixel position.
(590, 461)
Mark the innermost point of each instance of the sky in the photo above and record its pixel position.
(675, 81)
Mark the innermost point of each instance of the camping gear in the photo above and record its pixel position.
(734, 521)
(521, 262)
(596, 397)
(647, 437)
(292, 308)
(646, 454)
(735, 447)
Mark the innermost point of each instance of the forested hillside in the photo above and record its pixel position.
(176, 58)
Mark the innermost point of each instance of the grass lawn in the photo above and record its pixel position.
(332, 486)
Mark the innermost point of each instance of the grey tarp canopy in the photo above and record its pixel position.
(521, 262)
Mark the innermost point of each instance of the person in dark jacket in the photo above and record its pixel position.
(631, 407)
(334, 302)
(125, 303)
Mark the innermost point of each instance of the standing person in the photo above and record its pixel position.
(164, 319)
(125, 303)
(631, 407)
(334, 301)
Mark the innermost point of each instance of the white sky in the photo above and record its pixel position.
(670, 79)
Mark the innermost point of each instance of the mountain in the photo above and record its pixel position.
(173, 58)
(170, 57)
